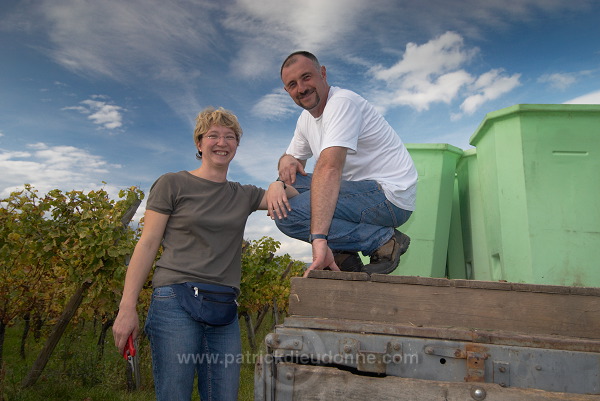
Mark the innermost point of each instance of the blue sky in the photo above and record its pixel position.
(94, 91)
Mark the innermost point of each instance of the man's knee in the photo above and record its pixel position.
(295, 225)
(280, 223)
(291, 222)
(303, 182)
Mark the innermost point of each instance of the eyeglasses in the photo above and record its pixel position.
(213, 137)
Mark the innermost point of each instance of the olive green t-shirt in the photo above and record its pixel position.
(203, 237)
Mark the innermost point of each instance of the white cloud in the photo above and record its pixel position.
(589, 98)
(49, 167)
(489, 86)
(558, 80)
(270, 29)
(440, 55)
(420, 95)
(13, 155)
(106, 115)
(173, 47)
(161, 46)
(275, 105)
(435, 73)
(114, 38)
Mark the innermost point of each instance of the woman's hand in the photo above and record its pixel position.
(126, 324)
(277, 201)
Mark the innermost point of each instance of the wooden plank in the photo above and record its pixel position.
(487, 285)
(548, 289)
(352, 276)
(432, 281)
(525, 312)
(490, 285)
(316, 383)
(495, 337)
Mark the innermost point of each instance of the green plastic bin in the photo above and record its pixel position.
(539, 168)
(429, 225)
(456, 267)
(476, 256)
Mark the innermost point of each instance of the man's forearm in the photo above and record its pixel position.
(325, 188)
(324, 193)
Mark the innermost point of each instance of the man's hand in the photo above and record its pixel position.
(288, 167)
(322, 257)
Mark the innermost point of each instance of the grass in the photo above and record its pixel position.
(76, 372)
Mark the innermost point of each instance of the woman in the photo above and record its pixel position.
(199, 218)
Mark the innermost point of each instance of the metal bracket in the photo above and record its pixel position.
(447, 352)
(473, 353)
(476, 356)
(370, 361)
(285, 383)
(502, 373)
(278, 342)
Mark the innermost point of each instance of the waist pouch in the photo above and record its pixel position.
(215, 305)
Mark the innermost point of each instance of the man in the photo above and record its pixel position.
(364, 180)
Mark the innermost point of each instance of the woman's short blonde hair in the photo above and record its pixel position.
(211, 116)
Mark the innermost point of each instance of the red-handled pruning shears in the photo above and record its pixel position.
(129, 351)
(133, 374)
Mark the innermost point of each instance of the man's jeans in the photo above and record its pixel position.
(182, 346)
(363, 219)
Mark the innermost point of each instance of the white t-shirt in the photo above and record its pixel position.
(375, 151)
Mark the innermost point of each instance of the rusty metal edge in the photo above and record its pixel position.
(446, 333)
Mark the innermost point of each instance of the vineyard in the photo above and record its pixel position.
(63, 258)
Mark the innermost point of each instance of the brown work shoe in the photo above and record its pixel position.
(348, 261)
(385, 259)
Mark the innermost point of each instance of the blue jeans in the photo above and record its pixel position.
(181, 346)
(363, 219)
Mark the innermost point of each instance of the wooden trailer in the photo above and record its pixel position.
(351, 336)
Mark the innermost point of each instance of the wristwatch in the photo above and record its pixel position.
(313, 237)
(281, 181)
